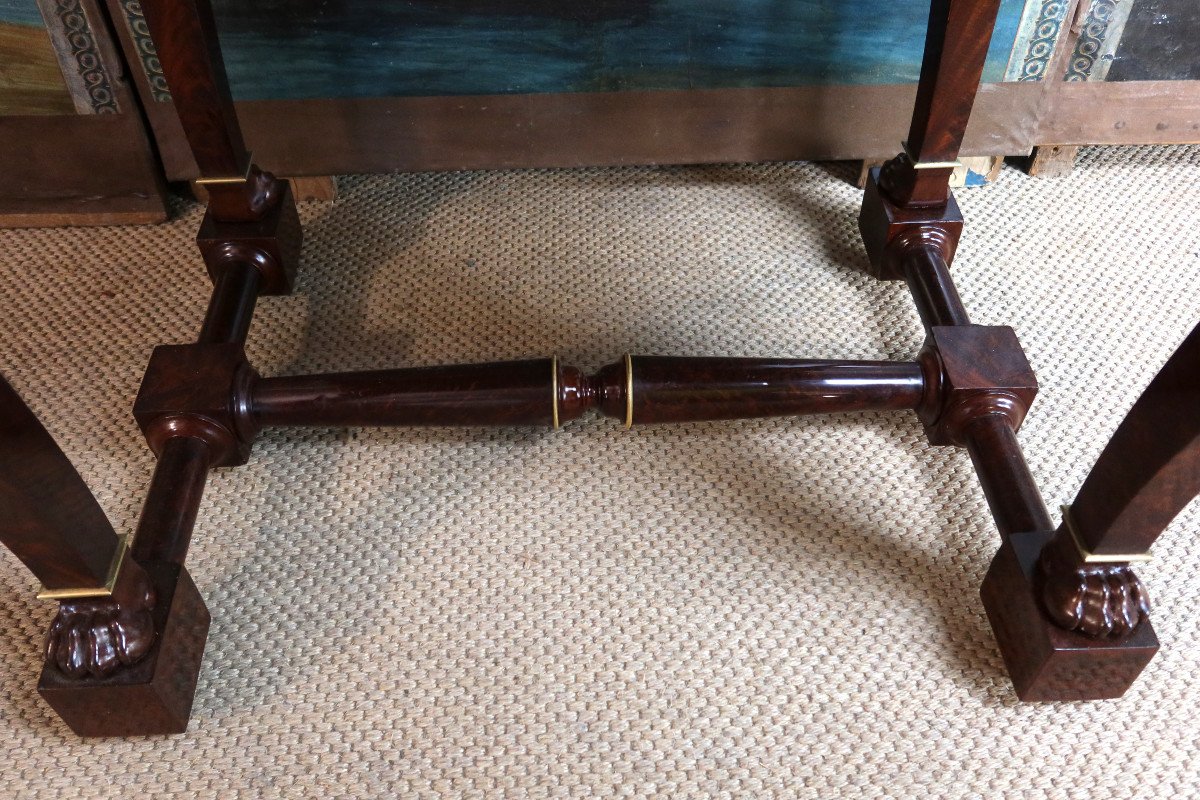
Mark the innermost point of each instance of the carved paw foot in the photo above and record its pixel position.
(96, 636)
(894, 175)
(264, 190)
(1101, 601)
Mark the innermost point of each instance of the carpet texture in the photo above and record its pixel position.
(781, 608)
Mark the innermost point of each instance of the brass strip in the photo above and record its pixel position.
(554, 389)
(929, 164)
(1098, 558)
(229, 178)
(628, 391)
(103, 591)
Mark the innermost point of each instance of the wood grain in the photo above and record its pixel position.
(1137, 112)
(78, 170)
(328, 137)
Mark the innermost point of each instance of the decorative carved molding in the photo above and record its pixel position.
(79, 57)
(892, 230)
(961, 411)
(139, 31)
(1035, 43)
(907, 184)
(1098, 40)
(243, 200)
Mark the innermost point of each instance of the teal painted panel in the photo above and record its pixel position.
(286, 49)
(21, 12)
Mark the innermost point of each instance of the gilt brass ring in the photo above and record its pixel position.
(628, 391)
(554, 390)
(245, 176)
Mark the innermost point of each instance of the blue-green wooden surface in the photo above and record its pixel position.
(277, 49)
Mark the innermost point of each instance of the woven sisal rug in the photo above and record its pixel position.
(782, 608)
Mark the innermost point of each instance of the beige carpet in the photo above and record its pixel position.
(782, 608)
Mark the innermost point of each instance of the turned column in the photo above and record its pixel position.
(637, 390)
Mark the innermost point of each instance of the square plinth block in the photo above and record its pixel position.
(198, 380)
(271, 244)
(977, 362)
(1044, 661)
(881, 221)
(153, 696)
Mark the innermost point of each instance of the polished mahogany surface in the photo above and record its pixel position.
(504, 393)
(669, 389)
(1069, 613)
(1150, 469)
(955, 51)
(542, 392)
(49, 518)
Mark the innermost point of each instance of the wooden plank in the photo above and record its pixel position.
(1158, 42)
(1139, 112)
(1052, 161)
(95, 167)
(77, 170)
(328, 137)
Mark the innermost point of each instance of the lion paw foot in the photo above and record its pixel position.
(96, 636)
(1100, 601)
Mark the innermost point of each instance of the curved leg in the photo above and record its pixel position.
(1145, 476)
(55, 527)
(128, 634)
(51, 521)
(1069, 612)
